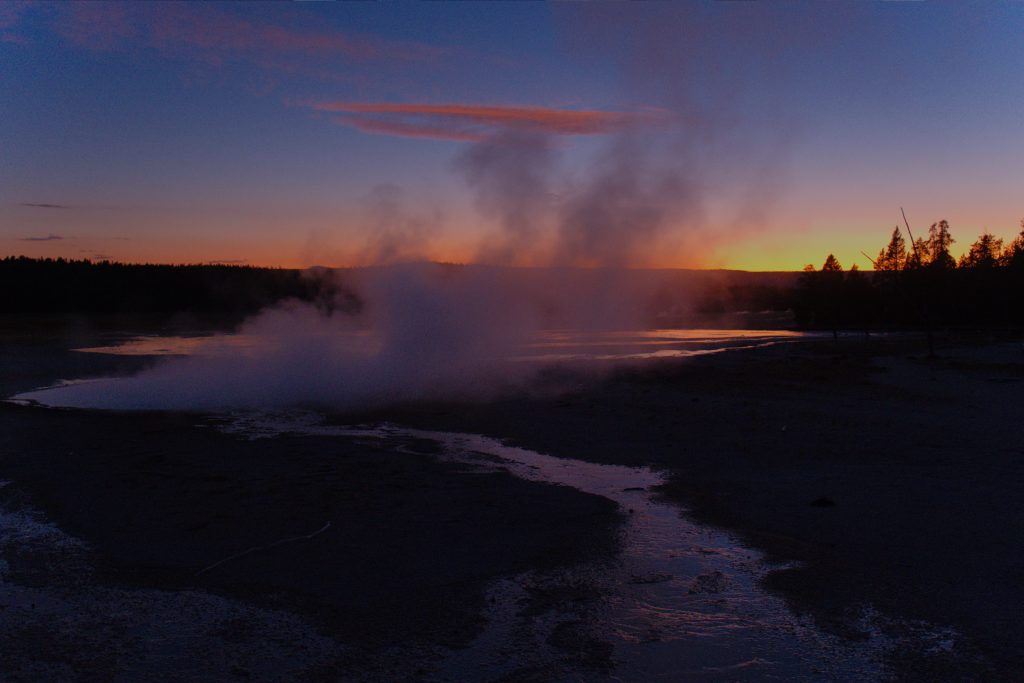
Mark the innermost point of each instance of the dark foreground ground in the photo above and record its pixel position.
(897, 481)
(894, 479)
(159, 498)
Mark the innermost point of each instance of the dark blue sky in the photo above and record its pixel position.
(270, 132)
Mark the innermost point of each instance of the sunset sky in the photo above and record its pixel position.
(758, 136)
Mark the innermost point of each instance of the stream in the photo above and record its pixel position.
(680, 601)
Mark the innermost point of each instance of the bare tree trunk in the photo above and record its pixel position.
(925, 318)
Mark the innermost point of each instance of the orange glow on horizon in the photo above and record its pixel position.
(748, 257)
(265, 242)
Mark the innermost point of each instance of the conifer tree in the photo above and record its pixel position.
(894, 256)
(986, 252)
(939, 242)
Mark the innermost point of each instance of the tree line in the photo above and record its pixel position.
(914, 284)
(918, 284)
(66, 286)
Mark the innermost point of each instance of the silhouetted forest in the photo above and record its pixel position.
(915, 285)
(918, 285)
(63, 286)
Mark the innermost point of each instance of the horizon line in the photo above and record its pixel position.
(228, 263)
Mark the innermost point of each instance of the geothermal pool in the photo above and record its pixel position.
(552, 345)
(290, 365)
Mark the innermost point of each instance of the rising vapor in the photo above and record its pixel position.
(434, 332)
(426, 332)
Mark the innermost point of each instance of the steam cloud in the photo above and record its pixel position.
(426, 331)
(429, 331)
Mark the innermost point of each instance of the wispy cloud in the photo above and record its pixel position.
(11, 11)
(48, 238)
(476, 122)
(213, 35)
(14, 39)
(41, 205)
(406, 129)
(60, 206)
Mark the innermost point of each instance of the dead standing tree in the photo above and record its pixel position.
(921, 298)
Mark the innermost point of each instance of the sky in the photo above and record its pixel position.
(755, 136)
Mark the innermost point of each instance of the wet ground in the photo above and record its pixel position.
(677, 599)
(150, 548)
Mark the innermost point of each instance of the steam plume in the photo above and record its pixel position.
(429, 333)
(435, 332)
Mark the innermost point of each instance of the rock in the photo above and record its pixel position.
(711, 582)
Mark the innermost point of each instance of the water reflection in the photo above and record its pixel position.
(552, 345)
(681, 601)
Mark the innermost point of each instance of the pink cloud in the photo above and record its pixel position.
(209, 34)
(97, 25)
(14, 38)
(474, 122)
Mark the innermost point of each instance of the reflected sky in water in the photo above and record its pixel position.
(552, 345)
